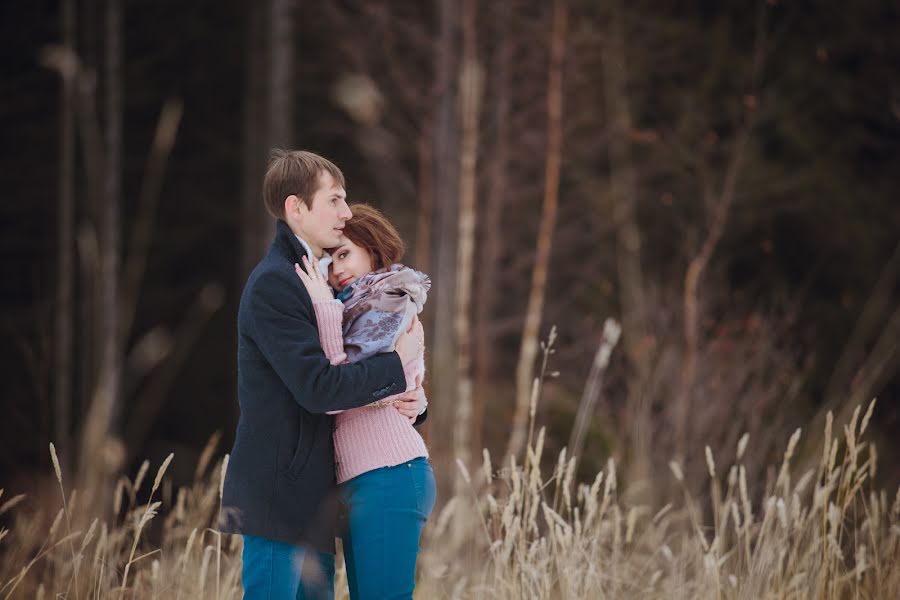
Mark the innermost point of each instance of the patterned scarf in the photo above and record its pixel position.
(379, 307)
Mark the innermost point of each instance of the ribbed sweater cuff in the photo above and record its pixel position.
(329, 315)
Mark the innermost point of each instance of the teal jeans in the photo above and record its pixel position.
(277, 571)
(386, 511)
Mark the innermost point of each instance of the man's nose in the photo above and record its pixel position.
(345, 213)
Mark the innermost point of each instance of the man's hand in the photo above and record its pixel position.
(412, 403)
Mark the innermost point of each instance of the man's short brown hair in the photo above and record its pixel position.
(369, 229)
(295, 172)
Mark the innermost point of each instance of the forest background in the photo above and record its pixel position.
(717, 178)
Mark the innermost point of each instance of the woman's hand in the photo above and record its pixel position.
(318, 288)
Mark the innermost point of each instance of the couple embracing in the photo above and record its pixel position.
(330, 394)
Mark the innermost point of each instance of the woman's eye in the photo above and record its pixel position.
(342, 255)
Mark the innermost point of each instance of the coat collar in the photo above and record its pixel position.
(292, 247)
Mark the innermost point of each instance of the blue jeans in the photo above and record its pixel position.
(387, 509)
(276, 571)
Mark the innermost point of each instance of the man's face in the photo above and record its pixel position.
(321, 225)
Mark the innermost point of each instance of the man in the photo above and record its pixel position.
(280, 485)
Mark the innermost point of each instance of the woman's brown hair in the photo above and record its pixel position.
(368, 228)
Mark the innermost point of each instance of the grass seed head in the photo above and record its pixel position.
(55, 460)
(162, 471)
(139, 478)
(868, 415)
(742, 445)
(710, 463)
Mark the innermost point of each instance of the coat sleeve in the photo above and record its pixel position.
(329, 315)
(282, 323)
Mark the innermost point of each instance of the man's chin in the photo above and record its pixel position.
(325, 243)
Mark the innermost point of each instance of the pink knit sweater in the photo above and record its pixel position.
(369, 438)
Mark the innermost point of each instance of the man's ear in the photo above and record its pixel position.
(292, 205)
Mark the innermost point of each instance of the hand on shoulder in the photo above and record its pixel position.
(318, 288)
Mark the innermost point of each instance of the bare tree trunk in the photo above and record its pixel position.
(443, 368)
(470, 95)
(66, 249)
(492, 233)
(531, 329)
(424, 220)
(100, 432)
(281, 61)
(719, 207)
(691, 298)
(111, 219)
(280, 93)
(268, 117)
(254, 145)
(624, 194)
(110, 216)
(426, 201)
(86, 234)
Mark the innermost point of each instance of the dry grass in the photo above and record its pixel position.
(820, 534)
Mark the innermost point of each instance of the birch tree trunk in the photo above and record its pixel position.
(470, 95)
(531, 329)
(492, 233)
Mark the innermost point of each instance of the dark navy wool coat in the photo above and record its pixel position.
(280, 482)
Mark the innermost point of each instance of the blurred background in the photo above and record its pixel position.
(719, 180)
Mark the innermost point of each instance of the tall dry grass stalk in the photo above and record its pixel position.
(823, 533)
(137, 554)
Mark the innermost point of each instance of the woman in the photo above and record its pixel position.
(383, 472)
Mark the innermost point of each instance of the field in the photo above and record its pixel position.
(510, 532)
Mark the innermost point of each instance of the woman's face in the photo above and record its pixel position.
(349, 263)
